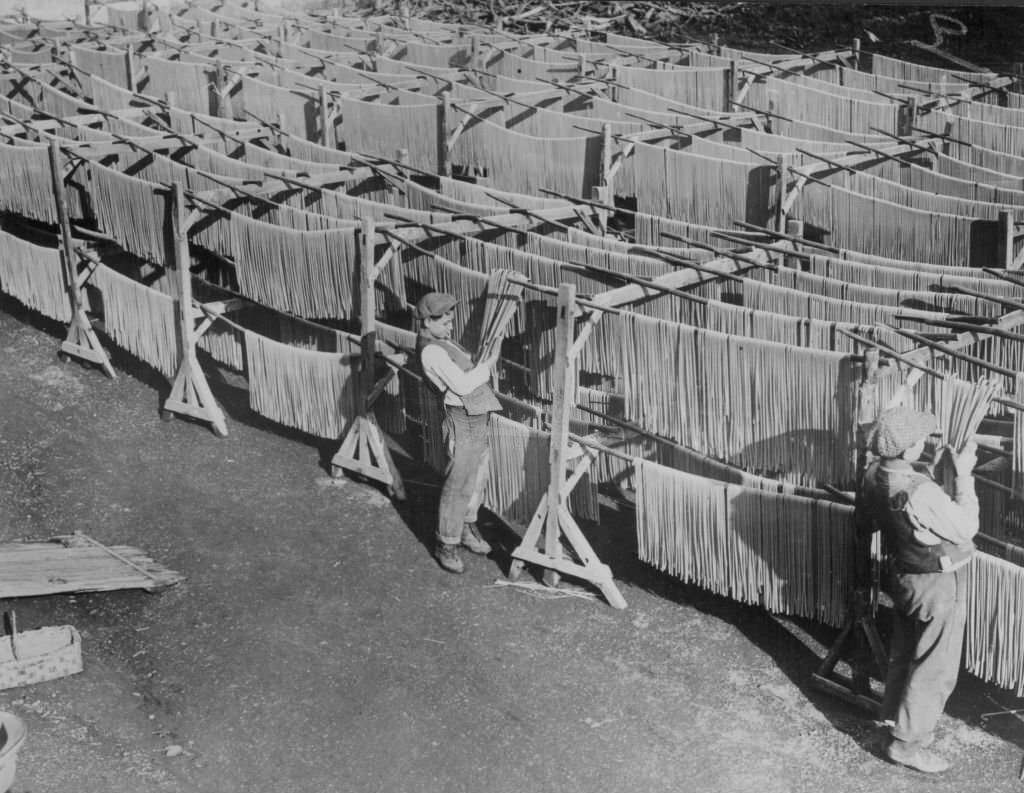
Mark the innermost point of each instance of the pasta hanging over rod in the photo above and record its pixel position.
(787, 553)
(139, 319)
(308, 390)
(33, 275)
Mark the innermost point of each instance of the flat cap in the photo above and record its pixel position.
(434, 304)
(899, 428)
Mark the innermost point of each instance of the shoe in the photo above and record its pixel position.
(917, 758)
(448, 557)
(471, 539)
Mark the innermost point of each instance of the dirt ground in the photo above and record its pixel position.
(315, 645)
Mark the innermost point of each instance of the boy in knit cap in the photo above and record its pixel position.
(928, 540)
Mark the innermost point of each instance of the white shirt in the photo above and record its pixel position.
(934, 515)
(448, 377)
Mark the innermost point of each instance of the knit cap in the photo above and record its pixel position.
(899, 428)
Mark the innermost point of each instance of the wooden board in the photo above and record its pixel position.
(77, 564)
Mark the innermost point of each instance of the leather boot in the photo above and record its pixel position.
(449, 558)
(473, 541)
(916, 757)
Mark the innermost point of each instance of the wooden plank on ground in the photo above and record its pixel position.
(77, 563)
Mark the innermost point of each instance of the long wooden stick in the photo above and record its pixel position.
(953, 353)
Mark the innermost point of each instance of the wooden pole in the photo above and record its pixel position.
(363, 449)
(67, 243)
(856, 54)
(325, 131)
(219, 81)
(781, 172)
(552, 522)
(190, 393)
(1004, 246)
(908, 118)
(367, 310)
(81, 340)
(129, 56)
(401, 157)
(445, 155)
(88, 13)
(732, 85)
(564, 382)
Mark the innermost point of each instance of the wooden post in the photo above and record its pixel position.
(907, 118)
(219, 81)
(716, 48)
(190, 393)
(401, 157)
(445, 155)
(794, 228)
(601, 195)
(1004, 247)
(367, 311)
(732, 85)
(325, 119)
(781, 172)
(856, 54)
(362, 448)
(867, 406)
(129, 56)
(859, 627)
(81, 341)
(88, 13)
(607, 151)
(564, 382)
(552, 523)
(474, 53)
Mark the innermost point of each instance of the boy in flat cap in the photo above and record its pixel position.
(928, 540)
(468, 402)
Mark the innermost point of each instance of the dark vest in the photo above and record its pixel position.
(478, 401)
(886, 506)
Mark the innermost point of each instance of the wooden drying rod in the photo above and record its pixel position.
(548, 290)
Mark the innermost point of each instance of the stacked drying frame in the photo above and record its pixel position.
(278, 190)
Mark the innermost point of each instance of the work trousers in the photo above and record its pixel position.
(467, 439)
(924, 658)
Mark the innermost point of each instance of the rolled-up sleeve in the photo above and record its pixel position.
(447, 376)
(952, 519)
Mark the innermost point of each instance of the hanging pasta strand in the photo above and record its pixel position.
(961, 406)
(994, 641)
(33, 275)
(519, 470)
(503, 295)
(25, 182)
(1018, 436)
(309, 390)
(131, 211)
(787, 553)
(139, 319)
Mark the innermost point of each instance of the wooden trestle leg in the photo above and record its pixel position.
(81, 341)
(859, 628)
(190, 393)
(553, 530)
(363, 447)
